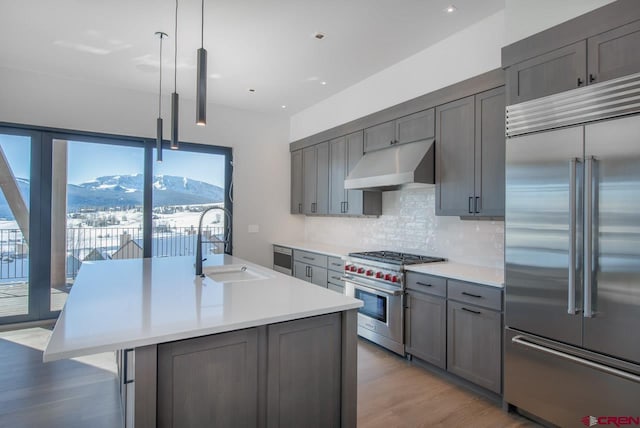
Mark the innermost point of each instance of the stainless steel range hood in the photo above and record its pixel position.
(394, 167)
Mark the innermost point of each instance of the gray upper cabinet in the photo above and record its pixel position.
(414, 127)
(474, 345)
(344, 153)
(490, 153)
(615, 53)
(296, 182)
(315, 172)
(426, 327)
(550, 73)
(379, 136)
(470, 145)
(455, 157)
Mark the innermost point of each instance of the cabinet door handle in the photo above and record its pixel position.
(470, 204)
(472, 311)
(477, 296)
(580, 82)
(346, 207)
(313, 207)
(125, 356)
(391, 143)
(310, 272)
(299, 208)
(592, 78)
(424, 283)
(477, 205)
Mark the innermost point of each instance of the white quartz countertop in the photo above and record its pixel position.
(314, 247)
(462, 272)
(118, 304)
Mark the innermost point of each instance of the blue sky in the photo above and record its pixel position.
(89, 160)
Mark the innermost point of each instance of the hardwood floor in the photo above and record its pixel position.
(83, 392)
(394, 393)
(61, 394)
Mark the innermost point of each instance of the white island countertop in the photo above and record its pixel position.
(463, 272)
(118, 304)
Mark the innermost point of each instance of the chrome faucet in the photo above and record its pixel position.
(199, 242)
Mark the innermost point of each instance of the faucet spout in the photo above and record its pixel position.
(227, 243)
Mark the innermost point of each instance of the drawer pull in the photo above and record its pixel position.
(424, 283)
(337, 278)
(308, 258)
(472, 311)
(477, 296)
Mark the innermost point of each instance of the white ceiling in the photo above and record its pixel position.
(263, 44)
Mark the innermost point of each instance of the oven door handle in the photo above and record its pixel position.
(372, 288)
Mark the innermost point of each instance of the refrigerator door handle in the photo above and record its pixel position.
(521, 340)
(588, 238)
(571, 289)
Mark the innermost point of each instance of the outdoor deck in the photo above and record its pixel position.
(14, 299)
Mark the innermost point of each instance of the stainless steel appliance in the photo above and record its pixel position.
(377, 278)
(283, 259)
(572, 254)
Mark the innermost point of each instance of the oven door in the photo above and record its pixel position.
(380, 318)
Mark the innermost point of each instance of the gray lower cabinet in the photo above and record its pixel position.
(426, 327)
(470, 156)
(474, 344)
(296, 182)
(304, 371)
(315, 179)
(223, 391)
(310, 273)
(615, 53)
(295, 373)
(547, 74)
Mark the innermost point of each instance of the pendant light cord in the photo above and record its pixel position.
(160, 90)
(175, 59)
(202, 26)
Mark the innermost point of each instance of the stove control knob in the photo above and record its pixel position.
(352, 268)
(369, 273)
(379, 275)
(387, 277)
(394, 279)
(360, 270)
(347, 267)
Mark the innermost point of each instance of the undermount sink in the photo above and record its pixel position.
(232, 273)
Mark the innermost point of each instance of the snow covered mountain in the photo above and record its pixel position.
(126, 190)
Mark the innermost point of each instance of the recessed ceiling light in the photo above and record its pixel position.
(251, 90)
(319, 36)
(323, 83)
(450, 9)
(283, 106)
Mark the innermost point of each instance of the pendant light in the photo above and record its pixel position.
(161, 35)
(174, 95)
(201, 84)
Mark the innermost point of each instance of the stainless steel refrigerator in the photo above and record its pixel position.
(572, 255)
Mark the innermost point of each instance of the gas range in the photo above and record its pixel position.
(385, 267)
(377, 278)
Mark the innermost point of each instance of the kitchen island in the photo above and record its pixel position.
(239, 347)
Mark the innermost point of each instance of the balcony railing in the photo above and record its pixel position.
(105, 243)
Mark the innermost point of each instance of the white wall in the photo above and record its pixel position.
(465, 54)
(524, 18)
(260, 144)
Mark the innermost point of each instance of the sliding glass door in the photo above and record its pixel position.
(17, 301)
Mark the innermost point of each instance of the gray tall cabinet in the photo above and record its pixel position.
(470, 144)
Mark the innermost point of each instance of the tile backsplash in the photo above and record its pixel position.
(408, 223)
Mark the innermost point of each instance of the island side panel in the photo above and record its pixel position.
(349, 394)
(146, 369)
(304, 372)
